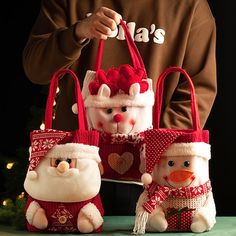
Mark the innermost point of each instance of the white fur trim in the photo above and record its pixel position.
(30, 212)
(91, 211)
(139, 100)
(189, 149)
(75, 150)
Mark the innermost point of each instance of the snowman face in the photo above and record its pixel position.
(120, 120)
(62, 179)
(181, 171)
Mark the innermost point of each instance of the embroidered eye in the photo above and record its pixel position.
(124, 109)
(186, 163)
(57, 161)
(109, 110)
(171, 163)
(68, 160)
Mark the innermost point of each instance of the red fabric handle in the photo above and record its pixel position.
(134, 52)
(159, 95)
(82, 122)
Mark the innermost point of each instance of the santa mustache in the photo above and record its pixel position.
(70, 172)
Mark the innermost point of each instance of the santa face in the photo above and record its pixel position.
(120, 120)
(181, 171)
(64, 179)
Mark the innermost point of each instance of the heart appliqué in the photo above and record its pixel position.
(121, 163)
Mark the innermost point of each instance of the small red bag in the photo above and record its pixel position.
(63, 179)
(178, 194)
(119, 104)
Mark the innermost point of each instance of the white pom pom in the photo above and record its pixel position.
(32, 175)
(74, 108)
(146, 178)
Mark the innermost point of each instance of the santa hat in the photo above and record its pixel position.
(83, 146)
(75, 144)
(124, 86)
(164, 142)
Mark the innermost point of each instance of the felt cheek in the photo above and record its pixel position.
(99, 124)
(73, 163)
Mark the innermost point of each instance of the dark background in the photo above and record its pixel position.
(19, 98)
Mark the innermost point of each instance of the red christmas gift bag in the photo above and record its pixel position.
(119, 105)
(63, 179)
(178, 193)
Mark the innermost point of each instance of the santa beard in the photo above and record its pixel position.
(75, 185)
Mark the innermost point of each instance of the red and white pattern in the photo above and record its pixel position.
(134, 139)
(179, 219)
(62, 216)
(42, 141)
(157, 141)
(157, 194)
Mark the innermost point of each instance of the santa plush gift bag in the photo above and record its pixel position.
(63, 178)
(119, 105)
(178, 193)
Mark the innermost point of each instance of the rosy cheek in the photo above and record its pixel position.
(99, 124)
(72, 165)
(132, 121)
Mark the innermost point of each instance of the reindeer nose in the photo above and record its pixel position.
(118, 118)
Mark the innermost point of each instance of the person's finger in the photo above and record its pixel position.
(103, 29)
(108, 22)
(112, 14)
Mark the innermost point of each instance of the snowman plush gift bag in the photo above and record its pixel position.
(63, 179)
(119, 105)
(178, 194)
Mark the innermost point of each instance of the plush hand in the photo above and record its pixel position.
(40, 220)
(203, 220)
(89, 219)
(157, 221)
(36, 216)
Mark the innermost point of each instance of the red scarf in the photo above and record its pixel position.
(158, 194)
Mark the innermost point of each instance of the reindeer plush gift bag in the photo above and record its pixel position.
(119, 104)
(178, 193)
(63, 178)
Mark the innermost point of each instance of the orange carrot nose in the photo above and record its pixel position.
(180, 175)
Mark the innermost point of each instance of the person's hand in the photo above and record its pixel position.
(98, 25)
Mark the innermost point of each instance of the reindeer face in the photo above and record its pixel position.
(119, 114)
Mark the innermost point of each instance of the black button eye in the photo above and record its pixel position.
(187, 163)
(171, 163)
(124, 109)
(57, 162)
(109, 110)
(68, 160)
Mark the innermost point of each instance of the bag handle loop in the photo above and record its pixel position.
(159, 94)
(134, 52)
(82, 122)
